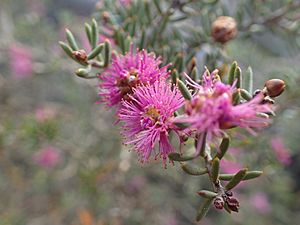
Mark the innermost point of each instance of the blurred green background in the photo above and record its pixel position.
(61, 157)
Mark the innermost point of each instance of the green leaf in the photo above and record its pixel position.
(245, 94)
(71, 40)
(236, 97)
(68, 50)
(184, 90)
(215, 169)
(193, 170)
(88, 31)
(238, 77)
(204, 208)
(248, 80)
(96, 51)
(107, 53)
(180, 158)
(94, 37)
(252, 175)
(195, 74)
(249, 175)
(231, 72)
(207, 194)
(223, 147)
(236, 179)
(174, 76)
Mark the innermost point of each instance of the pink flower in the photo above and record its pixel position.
(211, 109)
(48, 157)
(281, 152)
(127, 72)
(21, 64)
(44, 114)
(260, 202)
(146, 118)
(230, 167)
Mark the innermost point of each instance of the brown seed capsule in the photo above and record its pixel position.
(233, 204)
(224, 29)
(219, 203)
(274, 87)
(80, 55)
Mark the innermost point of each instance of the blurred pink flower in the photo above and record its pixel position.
(21, 64)
(281, 152)
(47, 157)
(230, 166)
(260, 202)
(44, 114)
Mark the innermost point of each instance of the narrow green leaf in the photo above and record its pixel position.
(223, 147)
(180, 158)
(88, 31)
(245, 94)
(68, 50)
(107, 53)
(248, 80)
(182, 125)
(204, 208)
(193, 170)
(236, 97)
(195, 74)
(238, 77)
(236, 179)
(96, 51)
(215, 169)
(207, 194)
(174, 76)
(231, 72)
(249, 175)
(71, 40)
(184, 90)
(202, 140)
(94, 37)
(252, 175)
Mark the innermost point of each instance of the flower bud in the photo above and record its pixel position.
(80, 55)
(219, 203)
(224, 29)
(274, 87)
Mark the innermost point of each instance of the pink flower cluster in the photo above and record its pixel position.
(147, 104)
(47, 157)
(21, 62)
(212, 111)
